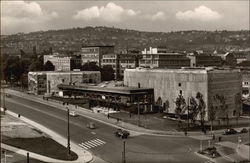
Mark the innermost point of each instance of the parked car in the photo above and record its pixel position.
(244, 130)
(230, 131)
(91, 125)
(73, 113)
(122, 133)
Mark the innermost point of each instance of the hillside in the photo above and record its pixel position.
(73, 39)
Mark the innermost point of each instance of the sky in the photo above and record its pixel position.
(157, 16)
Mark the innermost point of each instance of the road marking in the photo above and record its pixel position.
(93, 133)
(98, 140)
(92, 143)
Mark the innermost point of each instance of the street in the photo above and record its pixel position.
(102, 141)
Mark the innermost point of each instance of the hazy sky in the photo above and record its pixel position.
(160, 16)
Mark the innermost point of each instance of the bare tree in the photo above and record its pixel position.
(211, 114)
(201, 108)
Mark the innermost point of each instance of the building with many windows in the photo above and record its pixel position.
(220, 88)
(204, 60)
(95, 53)
(46, 81)
(61, 62)
(161, 60)
(120, 62)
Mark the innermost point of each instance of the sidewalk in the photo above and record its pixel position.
(241, 152)
(83, 155)
(134, 129)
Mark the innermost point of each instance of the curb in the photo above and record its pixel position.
(83, 155)
(200, 155)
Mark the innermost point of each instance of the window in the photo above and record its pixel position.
(179, 84)
(180, 92)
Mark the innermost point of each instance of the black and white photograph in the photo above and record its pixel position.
(125, 81)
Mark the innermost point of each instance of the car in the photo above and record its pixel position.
(230, 131)
(8, 95)
(122, 133)
(73, 113)
(244, 130)
(91, 125)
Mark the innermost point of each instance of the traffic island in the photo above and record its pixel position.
(16, 133)
(41, 145)
(210, 152)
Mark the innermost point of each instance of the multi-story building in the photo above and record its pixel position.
(95, 53)
(61, 62)
(155, 50)
(245, 81)
(171, 60)
(241, 56)
(64, 62)
(205, 60)
(120, 62)
(220, 88)
(228, 59)
(46, 81)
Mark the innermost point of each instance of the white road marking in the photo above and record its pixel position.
(92, 143)
(93, 133)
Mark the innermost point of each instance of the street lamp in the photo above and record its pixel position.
(68, 147)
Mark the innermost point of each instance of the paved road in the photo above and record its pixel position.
(102, 142)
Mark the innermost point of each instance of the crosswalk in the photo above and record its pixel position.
(92, 143)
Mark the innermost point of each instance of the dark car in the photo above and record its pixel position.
(230, 131)
(8, 95)
(244, 130)
(122, 133)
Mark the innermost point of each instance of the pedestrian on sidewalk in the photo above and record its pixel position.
(185, 132)
(108, 116)
(219, 138)
(213, 137)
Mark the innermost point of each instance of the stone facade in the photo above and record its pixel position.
(212, 83)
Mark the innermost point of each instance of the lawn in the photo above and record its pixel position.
(41, 145)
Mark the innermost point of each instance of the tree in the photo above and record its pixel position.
(166, 107)
(90, 66)
(180, 105)
(159, 104)
(212, 114)
(201, 108)
(48, 66)
(37, 64)
(107, 73)
(238, 103)
(193, 109)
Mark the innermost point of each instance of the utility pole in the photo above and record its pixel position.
(28, 157)
(123, 153)
(188, 112)
(138, 106)
(68, 147)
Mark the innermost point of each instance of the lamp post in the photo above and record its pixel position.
(138, 106)
(68, 147)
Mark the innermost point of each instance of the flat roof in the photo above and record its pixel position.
(95, 46)
(184, 69)
(63, 72)
(116, 90)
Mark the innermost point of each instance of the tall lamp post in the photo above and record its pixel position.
(68, 147)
